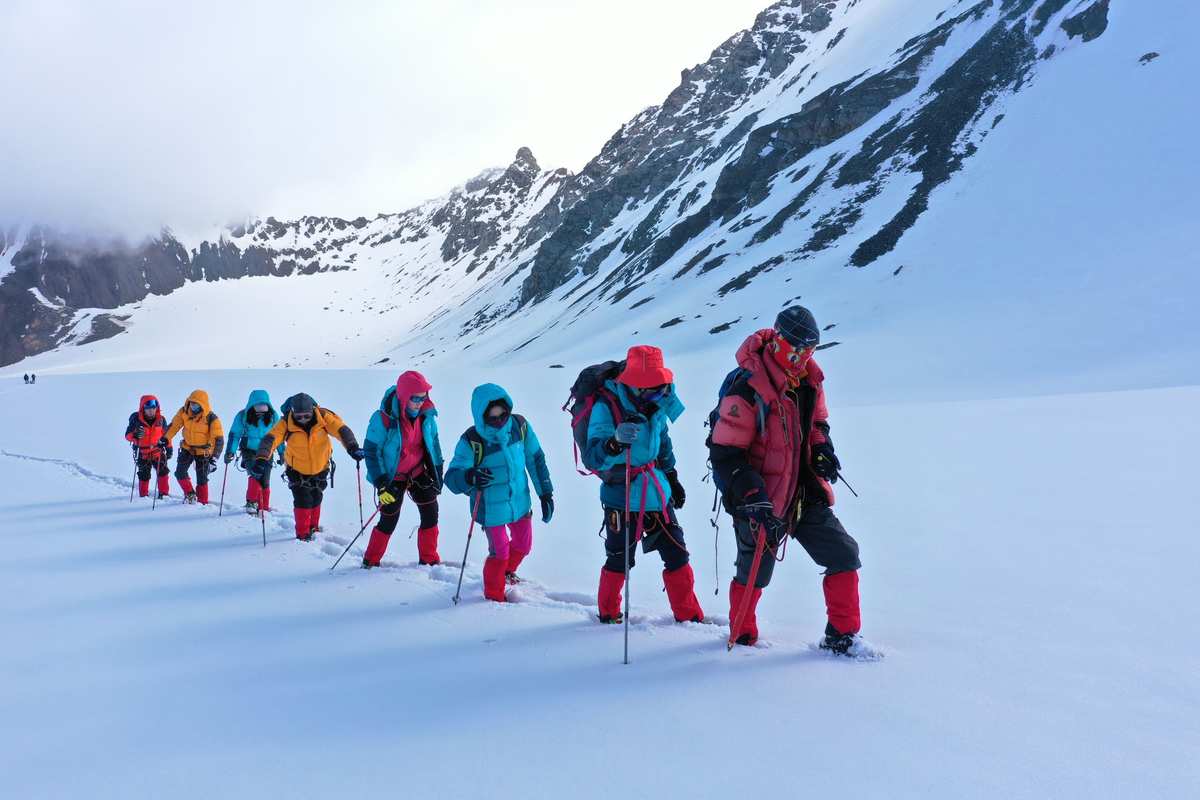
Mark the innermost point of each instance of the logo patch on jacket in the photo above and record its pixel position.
(734, 411)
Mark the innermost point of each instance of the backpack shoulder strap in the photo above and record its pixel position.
(522, 426)
(478, 446)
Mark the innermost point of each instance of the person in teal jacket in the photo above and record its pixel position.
(638, 446)
(249, 426)
(490, 464)
(404, 456)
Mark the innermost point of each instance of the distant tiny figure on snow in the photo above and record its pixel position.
(26, 377)
(33, 378)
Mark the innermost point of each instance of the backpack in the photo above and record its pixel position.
(587, 389)
(483, 449)
(714, 415)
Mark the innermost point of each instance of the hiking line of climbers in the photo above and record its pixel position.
(769, 445)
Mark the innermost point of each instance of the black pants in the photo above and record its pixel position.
(662, 533)
(248, 458)
(184, 463)
(424, 493)
(307, 490)
(145, 465)
(819, 532)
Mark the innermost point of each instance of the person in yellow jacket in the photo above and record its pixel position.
(203, 440)
(307, 430)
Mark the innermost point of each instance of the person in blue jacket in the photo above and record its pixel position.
(249, 426)
(638, 447)
(490, 464)
(404, 456)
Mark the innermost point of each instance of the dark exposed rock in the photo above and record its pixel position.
(1090, 23)
(1148, 57)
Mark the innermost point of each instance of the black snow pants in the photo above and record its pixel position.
(819, 532)
(661, 532)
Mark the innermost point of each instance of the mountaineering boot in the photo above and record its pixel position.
(375, 548)
(303, 524)
(202, 494)
(608, 598)
(748, 634)
(841, 601)
(681, 592)
(427, 541)
(189, 497)
(250, 508)
(838, 643)
(493, 579)
(143, 488)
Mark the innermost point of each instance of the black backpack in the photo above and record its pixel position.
(715, 414)
(585, 392)
(481, 449)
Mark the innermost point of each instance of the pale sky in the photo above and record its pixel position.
(136, 114)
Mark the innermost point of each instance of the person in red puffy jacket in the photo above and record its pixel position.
(771, 451)
(145, 432)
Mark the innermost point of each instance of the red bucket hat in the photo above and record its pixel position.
(644, 368)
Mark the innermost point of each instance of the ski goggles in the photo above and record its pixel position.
(151, 404)
(302, 417)
(653, 394)
(195, 408)
(418, 399)
(261, 408)
(497, 417)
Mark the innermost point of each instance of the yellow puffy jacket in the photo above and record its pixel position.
(202, 434)
(308, 451)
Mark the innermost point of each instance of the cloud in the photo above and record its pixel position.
(126, 116)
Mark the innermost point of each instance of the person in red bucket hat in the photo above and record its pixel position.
(773, 459)
(629, 431)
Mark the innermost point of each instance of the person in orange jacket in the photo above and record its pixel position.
(307, 430)
(145, 432)
(203, 441)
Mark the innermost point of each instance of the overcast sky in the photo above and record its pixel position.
(131, 115)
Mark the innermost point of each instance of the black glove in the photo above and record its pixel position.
(825, 462)
(212, 465)
(547, 507)
(358, 454)
(382, 482)
(259, 469)
(139, 431)
(228, 456)
(479, 477)
(439, 471)
(757, 506)
(279, 459)
(678, 495)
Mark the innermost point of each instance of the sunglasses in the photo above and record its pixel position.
(261, 408)
(654, 393)
(151, 404)
(418, 399)
(302, 416)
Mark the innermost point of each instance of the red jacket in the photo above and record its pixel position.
(765, 432)
(148, 443)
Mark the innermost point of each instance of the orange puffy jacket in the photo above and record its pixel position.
(308, 450)
(202, 433)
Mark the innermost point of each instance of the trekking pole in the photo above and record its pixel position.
(352, 541)
(262, 517)
(221, 510)
(848, 486)
(716, 538)
(735, 625)
(358, 469)
(462, 569)
(133, 483)
(627, 526)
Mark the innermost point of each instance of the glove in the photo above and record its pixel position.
(757, 506)
(479, 477)
(627, 433)
(139, 431)
(212, 465)
(547, 507)
(387, 495)
(358, 454)
(382, 483)
(825, 462)
(678, 495)
(168, 452)
(228, 457)
(259, 470)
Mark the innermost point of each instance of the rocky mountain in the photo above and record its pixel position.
(818, 135)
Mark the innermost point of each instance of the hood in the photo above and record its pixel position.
(199, 396)
(142, 407)
(298, 401)
(481, 398)
(670, 405)
(408, 384)
(260, 396)
(768, 377)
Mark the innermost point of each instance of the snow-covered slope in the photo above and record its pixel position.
(950, 184)
(1039, 641)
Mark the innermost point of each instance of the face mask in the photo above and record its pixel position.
(789, 359)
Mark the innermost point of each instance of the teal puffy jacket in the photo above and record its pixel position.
(385, 438)
(243, 436)
(510, 452)
(653, 445)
